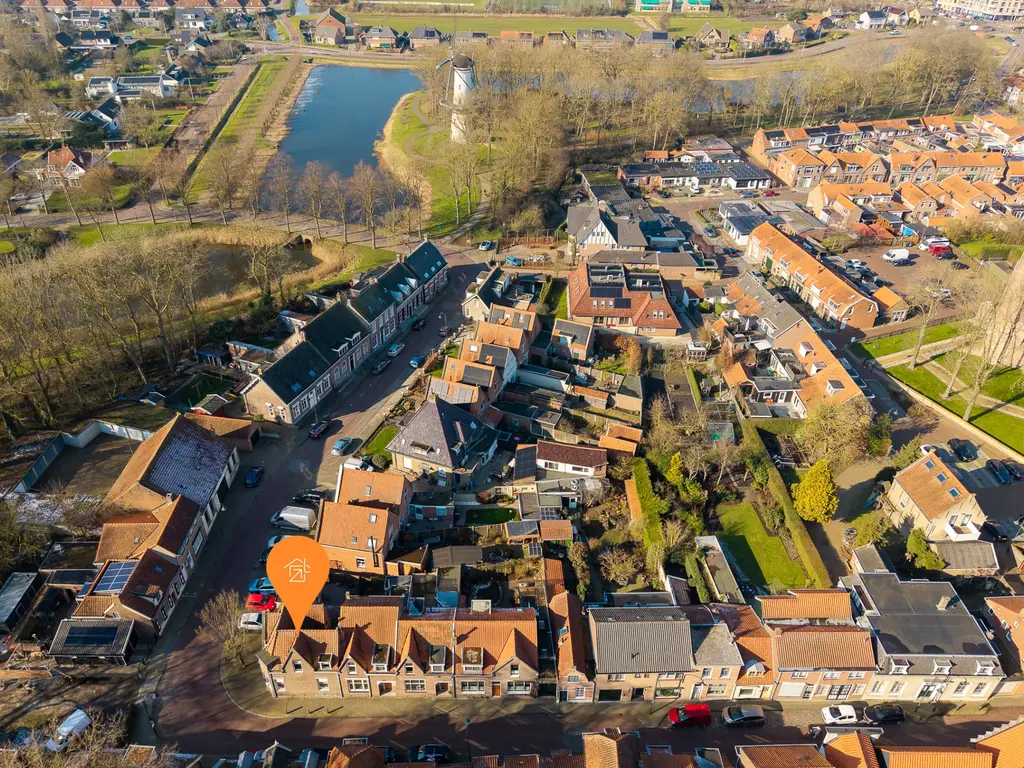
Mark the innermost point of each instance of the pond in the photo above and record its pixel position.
(340, 113)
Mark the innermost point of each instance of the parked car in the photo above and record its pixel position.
(512, 261)
(770, 193)
(295, 519)
(342, 446)
(964, 450)
(487, 245)
(261, 602)
(380, 365)
(840, 714)
(877, 714)
(416, 361)
(930, 241)
(74, 725)
(420, 324)
(690, 716)
(395, 350)
(895, 255)
(664, 194)
(261, 586)
(993, 531)
(251, 622)
(319, 429)
(273, 541)
(927, 448)
(311, 496)
(265, 555)
(253, 477)
(855, 264)
(999, 471)
(429, 753)
(747, 195)
(1014, 469)
(444, 330)
(710, 231)
(942, 250)
(745, 715)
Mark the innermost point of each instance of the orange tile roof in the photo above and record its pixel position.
(566, 613)
(912, 194)
(636, 512)
(852, 750)
(807, 604)
(844, 159)
(239, 429)
(502, 634)
(661, 759)
(866, 188)
(887, 297)
(369, 621)
(815, 387)
(309, 644)
(367, 756)
(753, 640)
(968, 159)
(1006, 743)
(503, 335)
(822, 647)
(1015, 168)
(930, 757)
(800, 157)
(931, 494)
(351, 526)
(617, 444)
(389, 488)
(127, 537)
(556, 530)
(626, 433)
(610, 750)
(554, 576)
(782, 756)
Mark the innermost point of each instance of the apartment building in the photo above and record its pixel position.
(834, 299)
(797, 168)
(989, 10)
(841, 136)
(621, 300)
(851, 167)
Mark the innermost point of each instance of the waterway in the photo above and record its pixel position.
(340, 113)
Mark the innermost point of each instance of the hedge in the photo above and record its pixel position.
(651, 505)
(696, 578)
(809, 555)
(694, 386)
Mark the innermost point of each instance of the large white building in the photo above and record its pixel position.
(992, 10)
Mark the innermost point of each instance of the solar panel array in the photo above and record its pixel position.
(84, 635)
(115, 577)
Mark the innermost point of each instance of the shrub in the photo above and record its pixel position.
(906, 455)
(917, 546)
(809, 555)
(757, 464)
(880, 436)
(872, 528)
(773, 517)
(380, 460)
(705, 306)
(815, 496)
(696, 578)
(652, 506)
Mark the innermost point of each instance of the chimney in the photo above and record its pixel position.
(944, 602)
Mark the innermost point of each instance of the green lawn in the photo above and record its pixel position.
(380, 442)
(492, 25)
(1002, 426)
(87, 235)
(198, 387)
(558, 297)
(981, 250)
(1006, 385)
(370, 258)
(688, 26)
(490, 516)
(6, 246)
(615, 364)
(133, 157)
(442, 204)
(905, 341)
(58, 202)
(762, 558)
(405, 124)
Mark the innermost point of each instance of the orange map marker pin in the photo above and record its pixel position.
(298, 568)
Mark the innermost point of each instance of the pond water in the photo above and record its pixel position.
(340, 114)
(274, 33)
(301, 8)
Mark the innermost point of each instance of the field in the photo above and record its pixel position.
(1002, 426)
(492, 25)
(762, 558)
(904, 341)
(687, 26)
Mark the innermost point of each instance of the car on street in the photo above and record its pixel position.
(380, 365)
(444, 330)
(74, 725)
(429, 753)
(319, 429)
(663, 194)
(273, 541)
(312, 496)
(395, 350)
(253, 477)
(690, 716)
(487, 245)
(342, 446)
(771, 193)
(839, 714)
(250, 622)
(710, 231)
(964, 450)
(993, 531)
(745, 715)
(999, 471)
(258, 602)
(747, 195)
(878, 714)
(416, 361)
(420, 324)
(261, 586)
(512, 261)
(265, 555)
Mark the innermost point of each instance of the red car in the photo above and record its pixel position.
(690, 716)
(770, 193)
(261, 603)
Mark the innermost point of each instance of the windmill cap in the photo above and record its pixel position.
(462, 61)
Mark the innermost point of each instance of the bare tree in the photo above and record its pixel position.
(933, 284)
(281, 181)
(218, 620)
(338, 192)
(313, 192)
(182, 185)
(223, 168)
(365, 186)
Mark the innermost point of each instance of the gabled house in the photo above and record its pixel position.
(896, 17)
(759, 38)
(602, 39)
(444, 443)
(67, 166)
(797, 168)
(710, 36)
(379, 38)
(792, 33)
(757, 678)
(423, 36)
(929, 495)
(833, 663)
(491, 287)
(334, 28)
(590, 229)
(572, 341)
(871, 20)
(620, 300)
(1006, 615)
(852, 167)
(522, 319)
(845, 205)
(817, 25)
(145, 591)
(566, 615)
(572, 459)
(658, 42)
(921, 204)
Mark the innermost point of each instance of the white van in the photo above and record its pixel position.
(294, 519)
(353, 463)
(896, 255)
(74, 725)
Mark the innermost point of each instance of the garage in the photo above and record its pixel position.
(612, 695)
(791, 690)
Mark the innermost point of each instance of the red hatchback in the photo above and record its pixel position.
(260, 602)
(690, 716)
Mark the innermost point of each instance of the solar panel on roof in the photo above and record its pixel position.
(115, 577)
(82, 635)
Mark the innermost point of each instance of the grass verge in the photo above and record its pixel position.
(904, 341)
(380, 441)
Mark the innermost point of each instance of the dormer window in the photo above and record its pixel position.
(513, 670)
(324, 661)
(900, 667)
(941, 477)
(942, 668)
(986, 668)
(954, 493)
(381, 657)
(930, 464)
(296, 666)
(438, 657)
(473, 660)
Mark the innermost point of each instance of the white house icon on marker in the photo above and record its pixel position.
(297, 571)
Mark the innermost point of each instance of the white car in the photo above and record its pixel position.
(252, 622)
(933, 241)
(926, 449)
(841, 714)
(395, 350)
(855, 264)
(74, 725)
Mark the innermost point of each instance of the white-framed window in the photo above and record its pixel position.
(360, 562)
(855, 676)
(616, 678)
(519, 686)
(718, 690)
(359, 685)
(668, 676)
(270, 410)
(831, 675)
(961, 688)
(580, 692)
(279, 684)
(900, 668)
(986, 668)
(513, 670)
(351, 668)
(798, 675)
(979, 689)
(942, 668)
(472, 686)
(877, 687)
(322, 684)
(409, 669)
(724, 673)
(858, 690)
(706, 673)
(573, 679)
(897, 688)
(415, 686)
(297, 666)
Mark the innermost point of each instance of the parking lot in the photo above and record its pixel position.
(899, 278)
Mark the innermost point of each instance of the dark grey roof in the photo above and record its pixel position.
(461, 60)
(526, 463)
(626, 231)
(109, 108)
(16, 590)
(445, 557)
(778, 313)
(294, 372)
(91, 637)
(426, 261)
(648, 37)
(507, 316)
(442, 434)
(909, 625)
(641, 640)
(373, 300)
(334, 331)
(870, 559)
(580, 219)
(423, 32)
(967, 555)
(520, 528)
(714, 647)
(579, 331)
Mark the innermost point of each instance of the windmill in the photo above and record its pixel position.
(460, 82)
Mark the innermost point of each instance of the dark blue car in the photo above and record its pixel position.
(253, 477)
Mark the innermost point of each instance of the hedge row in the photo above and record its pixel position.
(809, 555)
(651, 505)
(696, 578)
(694, 386)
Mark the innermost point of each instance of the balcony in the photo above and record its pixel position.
(969, 532)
